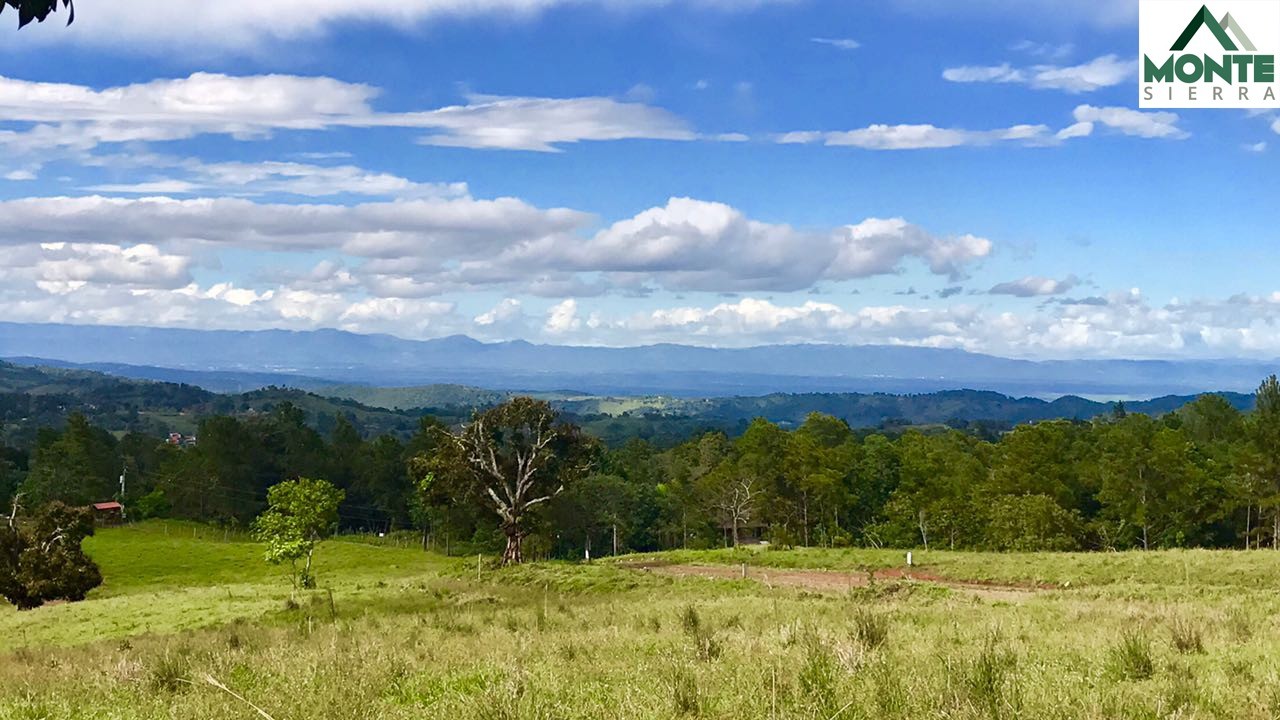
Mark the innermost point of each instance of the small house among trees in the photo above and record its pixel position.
(106, 514)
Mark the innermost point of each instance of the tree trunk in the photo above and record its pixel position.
(514, 554)
(615, 538)
(806, 519)
(735, 531)
(307, 580)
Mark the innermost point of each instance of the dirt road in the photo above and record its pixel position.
(833, 581)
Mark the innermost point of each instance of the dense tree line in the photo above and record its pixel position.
(1206, 475)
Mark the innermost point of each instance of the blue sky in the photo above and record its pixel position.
(623, 172)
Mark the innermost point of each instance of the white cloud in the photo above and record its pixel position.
(507, 309)
(1258, 147)
(1052, 51)
(247, 107)
(61, 267)
(1121, 324)
(919, 137)
(563, 319)
(423, 247)
(1005, 73)
(429, 228)
(153, 25)
(248, 179)
(1162, 125)
(1103, 72)
(1034, 286)
(692, 244)
(876, 247)
(838, 43)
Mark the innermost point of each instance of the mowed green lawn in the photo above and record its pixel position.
(398, 633)
(161, 577)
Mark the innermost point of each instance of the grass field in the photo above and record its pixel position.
(398, 633)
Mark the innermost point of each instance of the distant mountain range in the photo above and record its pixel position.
(32, 397)
(231, 361)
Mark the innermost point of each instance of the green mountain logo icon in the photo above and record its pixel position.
(1228, 32)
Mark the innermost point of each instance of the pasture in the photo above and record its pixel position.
(192, 624)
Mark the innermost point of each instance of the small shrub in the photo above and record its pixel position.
(1182, 691)
(690, 620)
(708, 646)
(890, 693)
(1186, 636)
(569, 652)
(1240, 624)
(988, 677)
(169, 673)
(1131, 658)
(819, 679)
(684, 693)
(870, 629)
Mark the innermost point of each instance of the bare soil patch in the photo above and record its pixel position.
(838, 581)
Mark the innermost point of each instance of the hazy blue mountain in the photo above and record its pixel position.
(32, 397)
(315, 359)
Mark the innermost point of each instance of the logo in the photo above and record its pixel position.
(1212, 61)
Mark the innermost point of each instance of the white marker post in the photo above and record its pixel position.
(908, 558)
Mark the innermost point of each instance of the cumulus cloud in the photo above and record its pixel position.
(1034, 286)
(691, 244)
(1103, 72)
(79, 117)
(1163, 125)
(562, 318)
(1121, 324)
(437, 228)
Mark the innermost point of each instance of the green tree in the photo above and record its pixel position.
(821, 458)
(517, 456)
(41, 559)
(1040, 459)
(77, 466)
(759, 472)
(937, 497)
(300, 514)
(1262, 459)
(686, 519)
(1153, 488)
(1031, 523)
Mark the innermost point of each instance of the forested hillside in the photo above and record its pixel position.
(1204, 475)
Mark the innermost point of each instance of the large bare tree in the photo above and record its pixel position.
(519, 455)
